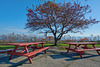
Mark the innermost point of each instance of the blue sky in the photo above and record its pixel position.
(13, 16)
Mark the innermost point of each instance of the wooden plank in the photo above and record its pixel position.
(37, 51)
(83, 43)
(24, 44)
(88, 49)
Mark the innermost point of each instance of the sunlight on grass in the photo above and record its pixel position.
(39, 45)
(6, 47)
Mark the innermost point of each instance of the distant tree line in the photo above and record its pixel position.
(90, 38)
(14, 38)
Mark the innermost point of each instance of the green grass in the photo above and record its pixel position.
(63, 45)
(39, 45)
(45, 45)
(6, 47)
(11, 46)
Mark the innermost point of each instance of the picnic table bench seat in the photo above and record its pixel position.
(96, 49)
(78, 50)
(29, 54)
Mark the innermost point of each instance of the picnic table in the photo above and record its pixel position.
(24, 50)
(74, 46)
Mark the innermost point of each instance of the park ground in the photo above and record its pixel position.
(55, 57)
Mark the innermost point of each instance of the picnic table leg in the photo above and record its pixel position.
(25, 47)
(69, 48)
(43, 46)
(28, 52)
(22, 51)
(86, 46)
(13, 51)
(96, 50)
(93, 45)
(45, 51)
(30, 59)
(80, 53)
(76, 47)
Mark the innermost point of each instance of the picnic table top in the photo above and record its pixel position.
(84, 43)
(24, 44)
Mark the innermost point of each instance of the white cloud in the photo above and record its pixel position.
(16, 30)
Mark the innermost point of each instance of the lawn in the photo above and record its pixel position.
(11, 46)
(59, 45)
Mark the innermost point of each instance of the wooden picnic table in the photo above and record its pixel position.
(25, 51)
(74, 46)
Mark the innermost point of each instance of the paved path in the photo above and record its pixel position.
(53, 58)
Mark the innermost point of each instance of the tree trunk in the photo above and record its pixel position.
(55, 38)
(55, 42)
